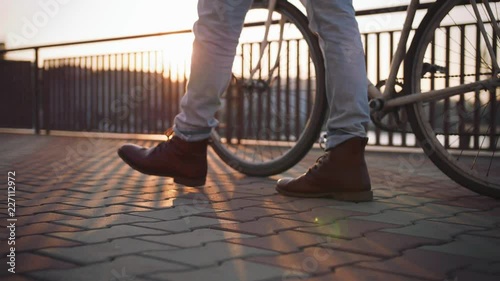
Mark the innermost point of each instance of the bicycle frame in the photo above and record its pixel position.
(386, 100)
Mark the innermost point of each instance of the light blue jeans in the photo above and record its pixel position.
(217, 33)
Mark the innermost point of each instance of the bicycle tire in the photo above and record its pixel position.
(458, 149)
(230, 152)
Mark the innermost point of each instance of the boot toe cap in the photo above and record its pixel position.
(130, 151)
(283, 182)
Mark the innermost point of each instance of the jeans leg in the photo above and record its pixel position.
(217, 32)
(336, 25)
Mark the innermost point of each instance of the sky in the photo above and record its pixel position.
(36, 22)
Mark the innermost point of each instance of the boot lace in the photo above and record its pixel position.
(319, 162)
(169, 133)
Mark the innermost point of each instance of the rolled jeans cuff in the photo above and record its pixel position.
(338, 138)
(192, 135)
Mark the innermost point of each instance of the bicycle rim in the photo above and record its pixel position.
(268, 123)
(460, 134)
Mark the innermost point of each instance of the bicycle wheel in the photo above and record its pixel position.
(459, 133)
(268, 122)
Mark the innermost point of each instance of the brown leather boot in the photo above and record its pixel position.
(184, 161)
(341, 173)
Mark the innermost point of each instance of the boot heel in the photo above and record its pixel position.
(190, 182)
(363, 196)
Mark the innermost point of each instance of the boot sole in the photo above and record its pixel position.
(192, 182)
(361, 196)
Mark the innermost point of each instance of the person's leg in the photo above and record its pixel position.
(336, 25)
(342, 172)
(184, 156)
(216, 37)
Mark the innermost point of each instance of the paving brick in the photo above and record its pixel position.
(347, 228)
(246, 214)
(394, 217)
(228, 271)
(408, 200)
(274, 198)
(194, 238)
(43, 228)
(313, 260)
(354, 273)
(492, 233)
(437, 210)
(27, 262)
(285, 242)
(445, 194)
(226, 196)
(368, 207)
(490, 268)
(433, 230)
(210, 254)
(18, 277)
(264, 226)
(174, 213)
(422, 264)
(124, 268)
(476, 202)
(235, 204)
(104, 251)
(382, 193)
(380, 244)
(185, 224)
(95, 203)
(159, 196)
(36, 242)
(481, 219)
(36, 202)
(470, 275)
(44, 217)
(104, 211)
(163, 204)
(108, 221)
(321, 215)
(471, 246)
(104, 234)
(303, 205)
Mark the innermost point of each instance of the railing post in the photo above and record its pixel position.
(36, 91)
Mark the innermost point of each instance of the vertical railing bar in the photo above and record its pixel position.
(250, 96)
(432, 107)
(111, 102)
(268, 96)
(36, 89)
(46, 97)
(102, 77)
(240, 101)
(62, 119)
(95, 94)
(297, 93)
(477, 121)
(170, 96)
(446, 123)
(287, 92)
(278, 101)
(493, 107)
(71, 93)
(156, 98)
(259, 103)
(377, 67)
(463, 140)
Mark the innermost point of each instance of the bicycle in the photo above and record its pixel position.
(267, 127)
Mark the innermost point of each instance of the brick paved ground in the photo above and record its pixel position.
(84, 215)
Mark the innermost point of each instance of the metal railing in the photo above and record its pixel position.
(139, 92)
